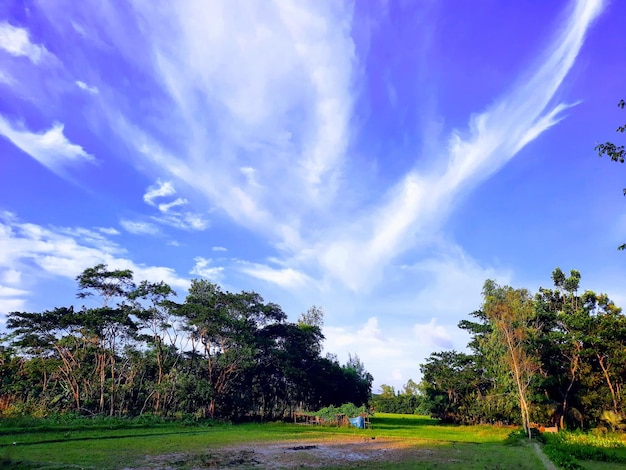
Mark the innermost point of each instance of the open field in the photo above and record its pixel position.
(395, 441)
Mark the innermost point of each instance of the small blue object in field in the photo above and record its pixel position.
(357, 422)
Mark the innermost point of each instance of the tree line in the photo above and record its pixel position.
(216, 354)
(557, 357)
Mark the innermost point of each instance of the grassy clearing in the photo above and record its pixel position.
(405, 441)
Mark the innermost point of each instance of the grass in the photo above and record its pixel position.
(586, 451)
(114, 444)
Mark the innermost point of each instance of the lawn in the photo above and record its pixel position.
(395, 441)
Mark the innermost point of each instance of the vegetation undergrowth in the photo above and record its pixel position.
(566, 449)
(347, 409)
(75, 422)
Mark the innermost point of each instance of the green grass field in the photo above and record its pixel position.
(395, 441)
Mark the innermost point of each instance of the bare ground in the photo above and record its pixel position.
(314, 453)
(335, 451)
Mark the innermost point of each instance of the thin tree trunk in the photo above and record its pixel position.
(605, 371)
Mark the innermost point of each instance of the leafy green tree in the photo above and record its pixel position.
(562, 315)
(511, 314)
(411, 388)
(387, 391)
(314, 316)
(448, 378)
(606, 338)
(151, 304)
(225, 327)
(228, 355)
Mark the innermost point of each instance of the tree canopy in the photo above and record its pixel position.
(557, 357)
(215, 354)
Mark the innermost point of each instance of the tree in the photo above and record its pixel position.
(157, 326)
(411, 388)
(616, 153)
(230, 355)
(314, 316)
(511, 313)
(387, 391)
(448, 378)
(561, 314)
(226, 327)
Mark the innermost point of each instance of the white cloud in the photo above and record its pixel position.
(109, 230)
(415, 207)
(384, 354)
(11, 276)
(390, 351)
(433, 335)
(284, 277)
(187, 220)
(10, 305)
(165, 207)
(139, 228)
(203, 268)
(258, 67)
(10, 291)
(160, 189)
(219, 248)
(50, 148)
(90, 89)
(16, 41)
(38, 252)
(184, 221)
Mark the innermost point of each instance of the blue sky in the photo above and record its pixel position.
(378, 159)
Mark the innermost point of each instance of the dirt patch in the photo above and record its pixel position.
(335, 451)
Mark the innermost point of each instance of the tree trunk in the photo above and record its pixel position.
(605, 371)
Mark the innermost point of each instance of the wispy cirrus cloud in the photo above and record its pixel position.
(260, 113)
(16, 41)
(257, 67)
(109, 230)
(414, 209)
(158, 190)
(287, 278)
(139, 228)
(170, 212)
(90, 89)
(51, 148)
(242, 68)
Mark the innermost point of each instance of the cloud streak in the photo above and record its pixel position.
(420, 202)
(16, 41)
(243, 71)
(51, 148)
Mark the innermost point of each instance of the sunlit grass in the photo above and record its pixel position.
(424, 443)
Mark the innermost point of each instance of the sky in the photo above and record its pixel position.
(379, 159)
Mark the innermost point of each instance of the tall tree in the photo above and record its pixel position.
(511, 313)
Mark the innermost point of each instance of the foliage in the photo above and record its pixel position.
(571, 447)
(330, 413)
(557, 358)
(216, 354)
(401, 404)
